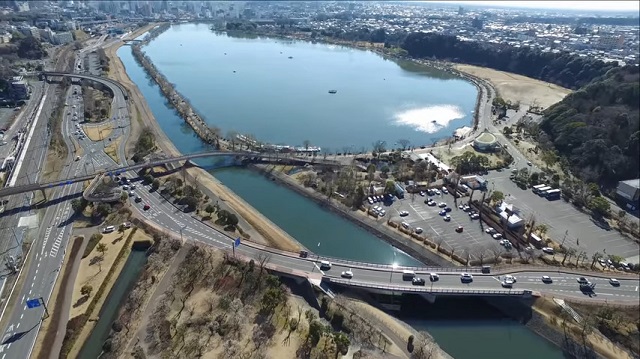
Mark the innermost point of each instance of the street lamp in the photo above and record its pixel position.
(181, 229)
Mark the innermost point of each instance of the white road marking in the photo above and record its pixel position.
(21, 315)
(636, 288)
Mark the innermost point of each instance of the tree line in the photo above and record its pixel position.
(596, 129)
(560, 68)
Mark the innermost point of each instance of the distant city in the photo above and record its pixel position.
(607, 37)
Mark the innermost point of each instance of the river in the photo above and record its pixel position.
(300, 217)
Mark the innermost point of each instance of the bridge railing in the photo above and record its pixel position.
(387, 267)
(412, 289)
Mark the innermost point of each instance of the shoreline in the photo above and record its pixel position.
(273, 235)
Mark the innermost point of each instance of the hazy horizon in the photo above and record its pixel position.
(608, 6)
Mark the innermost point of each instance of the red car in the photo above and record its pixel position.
(146, 207)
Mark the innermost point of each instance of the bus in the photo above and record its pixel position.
(552, 194)
(537, 187)
(542, 190)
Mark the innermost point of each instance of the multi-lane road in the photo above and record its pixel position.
(18, 338)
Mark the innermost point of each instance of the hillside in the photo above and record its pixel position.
(596, 129)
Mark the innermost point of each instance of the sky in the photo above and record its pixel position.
(569, 5)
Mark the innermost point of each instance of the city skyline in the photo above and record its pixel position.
(558, 5)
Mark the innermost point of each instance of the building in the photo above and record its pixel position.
(629, 192)
(486, 142)
(474, 182)
(63, 38)
(19, 88)
(509, 215)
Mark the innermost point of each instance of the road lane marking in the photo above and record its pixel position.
(21, 315)
(636, 288)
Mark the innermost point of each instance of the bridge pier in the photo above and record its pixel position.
(44, 194)
(429, 297)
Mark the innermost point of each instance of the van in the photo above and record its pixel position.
(408, 274)
(325, 265)
(486, 269)
(108, 229)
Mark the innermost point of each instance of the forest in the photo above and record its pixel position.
(562, 69)
(596, 129)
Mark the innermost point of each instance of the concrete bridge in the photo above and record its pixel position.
(232, 159)
(48, 76)
(132, 41)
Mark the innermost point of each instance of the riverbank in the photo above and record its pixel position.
(142, 117)
(377, 228)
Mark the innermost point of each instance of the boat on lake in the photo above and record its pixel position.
(333, 91)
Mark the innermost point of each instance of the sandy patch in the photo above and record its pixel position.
(98, 132)
(94, 274)
(112, 150)
(517, 87)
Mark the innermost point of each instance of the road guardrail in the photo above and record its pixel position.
(426, 289)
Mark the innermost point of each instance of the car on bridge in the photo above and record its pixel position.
(434, 277)
(347, 274)
(418, 281)
(325, 265)
(466, 278)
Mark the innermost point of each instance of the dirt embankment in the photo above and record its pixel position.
(518, 88)
(142, 117)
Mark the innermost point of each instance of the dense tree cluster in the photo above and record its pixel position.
(31, 48)
(596, 129)
(562, 69)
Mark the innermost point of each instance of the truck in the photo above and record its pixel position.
(399, 190)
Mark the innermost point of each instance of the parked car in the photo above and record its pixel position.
(490, 230)
(447, 218)
(431, 203)
(497, 236)
(447, 209)
(547, 250)
(418, 230)
(403, 213)
(475, 216)
(459, 229)
(442, 213)
(146, 207)
(442, 204)
(138, 199)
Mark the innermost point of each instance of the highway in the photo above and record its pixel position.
(169, 218)
(18, 338)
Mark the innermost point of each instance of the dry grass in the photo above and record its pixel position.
(112, 150)
(98, 132)
(139, 236)
(93, 274)
(602, 345)
(517, 87)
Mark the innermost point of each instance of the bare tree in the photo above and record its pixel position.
(496, 250)
(404, 143)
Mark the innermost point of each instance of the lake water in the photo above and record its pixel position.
(250, 85)
(300, 217)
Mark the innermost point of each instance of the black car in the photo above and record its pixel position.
(304, 254)
(418, 281)
(448, 209)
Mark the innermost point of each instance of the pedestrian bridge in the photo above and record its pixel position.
(228, 159)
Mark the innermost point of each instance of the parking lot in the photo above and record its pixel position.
(563, 220)
(472, 238)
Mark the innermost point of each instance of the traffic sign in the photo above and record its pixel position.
(237, 242)
(33, 303)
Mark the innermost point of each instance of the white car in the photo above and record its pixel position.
(347, 274)
(434, 277)
(442, 204)
(447, 218)
(497, 236)
(490, 230)
(403, 213)
(547, 250)
(614, 282)
(444, 190)
(466, 277)
(510, 279)
(546, 279)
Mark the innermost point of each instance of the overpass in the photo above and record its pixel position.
(132, 41)
(103, 80)
(244, 157)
